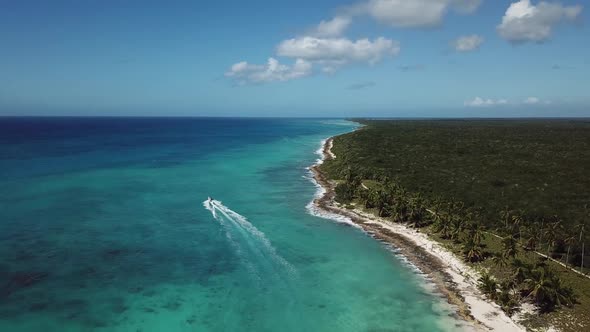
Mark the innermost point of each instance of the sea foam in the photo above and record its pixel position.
(311, 207)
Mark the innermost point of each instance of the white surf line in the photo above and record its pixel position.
(487, 312)
(311, 207)
(320, 152)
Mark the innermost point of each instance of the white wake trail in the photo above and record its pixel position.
(260, 241)
(209, 206)
(228, 234)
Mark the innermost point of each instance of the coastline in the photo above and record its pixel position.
(451, 276)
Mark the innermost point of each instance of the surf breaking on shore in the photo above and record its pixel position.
(453, 278)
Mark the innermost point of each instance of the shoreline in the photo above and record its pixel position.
(456, 281)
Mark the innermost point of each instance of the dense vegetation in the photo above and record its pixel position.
(499, 192)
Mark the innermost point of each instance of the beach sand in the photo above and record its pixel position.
(452, 277)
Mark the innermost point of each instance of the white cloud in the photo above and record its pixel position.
(467, 43)
(531, 100)
(524, 22)
(535, 101)
(324, 46)
(332, 28)
(244, 72)
(414, 13)
(335, 52)
(481, 102)
(329, 53)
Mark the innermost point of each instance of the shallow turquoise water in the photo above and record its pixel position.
(103, 228)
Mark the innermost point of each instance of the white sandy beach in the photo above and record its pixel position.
(486, 315)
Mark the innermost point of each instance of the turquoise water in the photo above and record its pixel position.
(103, 228)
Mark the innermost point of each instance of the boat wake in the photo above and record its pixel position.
(251, 244)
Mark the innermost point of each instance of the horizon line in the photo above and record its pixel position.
(297, 117)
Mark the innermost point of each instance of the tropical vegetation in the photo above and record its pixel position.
(469, 184)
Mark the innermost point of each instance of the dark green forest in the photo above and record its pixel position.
(500, 193)
(538, 169)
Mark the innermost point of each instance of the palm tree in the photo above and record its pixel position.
(392, 188)
(488, 285)
(417, 213)
(548, 290)
(457, 226)
(381, 202)
(437, 203)
(443, 225)
(372, 197)
(442, 219)
(532, 237)
(473, 251)
(365, 197)
(399, 209)
(510, 244)
(541, 230)
(539, 284)
(460, 215)
(517, 219)
(561, 295)
(507, 285)
(581, 228)
(351, 177)
(505, 216)
(500, 260)
(507, 299)
(437, 215)
(521, 270)
(477, 232)
(552, 233)
(570, 240)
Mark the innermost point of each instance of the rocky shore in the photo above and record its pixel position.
(451, 276)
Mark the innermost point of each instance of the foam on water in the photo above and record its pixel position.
(314, 210)
(104, 211)
(260, 240)
(250, 266)
(320, 153)
(311, 207)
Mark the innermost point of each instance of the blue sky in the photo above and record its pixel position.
(369, 58)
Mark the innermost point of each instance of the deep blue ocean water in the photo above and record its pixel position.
(103, 228)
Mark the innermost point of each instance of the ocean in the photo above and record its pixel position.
(104, 226)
